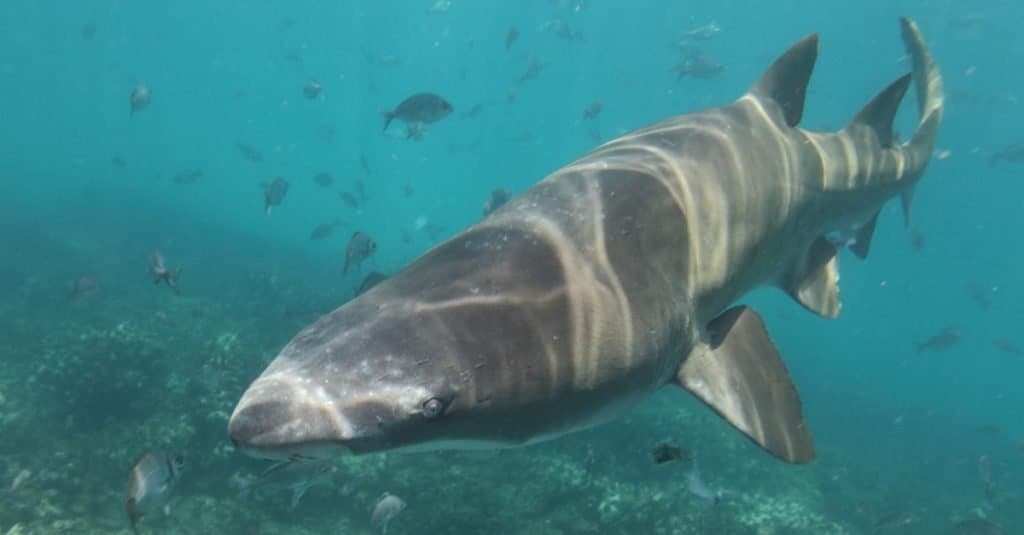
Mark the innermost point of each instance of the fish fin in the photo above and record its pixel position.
(906, 199)
(878, 114)
(388, 117)
(813, 280)
(740, 375)
(297, 494)
(862, 243)
(785, 82)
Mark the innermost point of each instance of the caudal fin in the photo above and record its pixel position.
(930, 102)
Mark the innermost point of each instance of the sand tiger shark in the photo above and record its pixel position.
(613, 277)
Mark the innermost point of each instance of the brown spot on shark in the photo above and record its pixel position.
(614, 277)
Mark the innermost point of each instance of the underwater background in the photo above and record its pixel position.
(914, 394)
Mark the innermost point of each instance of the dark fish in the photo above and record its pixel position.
(349, 199)
(364, 163)
(187, 176)
(139, 98)
(593, 110)
(360, 188)
(326, 132)
(473, 112)
(667, 452)
(944, 339)
(511, 94)
(82, 286)
(150, 483)
(117, 162)
(991, 429)
(88, 31)
(360, 247)
(408, 189)
(1007, 346)
(421, 108)
(371, 280)
(1011, 153)
(916, 240)
(293, 476)
(699, 66)
(324, 230)
(985, 475)
(384, 511)
(533, 70)
(249, 152)
(312, 89)
(158, 270)
(980, 295)
(966, 20)
(510, 37)
(979, 526)
(498, 197)
(323, 179)
(274, 193)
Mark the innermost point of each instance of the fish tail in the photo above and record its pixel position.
(133, 515)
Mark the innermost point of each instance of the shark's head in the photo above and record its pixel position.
(442, 356)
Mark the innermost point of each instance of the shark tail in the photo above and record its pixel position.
(930, 103)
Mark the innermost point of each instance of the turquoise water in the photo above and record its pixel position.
(87, 386)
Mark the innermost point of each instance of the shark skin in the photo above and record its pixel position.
(613, 277)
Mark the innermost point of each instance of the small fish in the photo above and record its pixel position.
(369, 281)
(249, 152)
(312, 89)
(1011, 153)
(895, 520)
(83, 285)
(979, 526)
(158, 270)
(408, 189)
(387, 508)
(162, 317)
(117, 162)
(360, 189)
(668, 452)
(349, 199)
(704, 32)
(699, 66)
(19, 481)
(360, 247)
(440, 6)
(593, 110)
(1007, 346)
(364, 163)
(697, 487)
(88, 31)
(294, 476)
(944, 339)
(534, 70)
(187, 176)
(139, 98)
(510, 37)
(985, 475)
(472, 112)
(498, 197)
(966, 20)
(421, 108)
(150, 483)
(916, 239)
(980, 295)
(274, 193)
(323, 179)
(324, 230)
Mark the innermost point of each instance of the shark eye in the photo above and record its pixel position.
(433, 408)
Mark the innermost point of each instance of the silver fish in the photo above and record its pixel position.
(160, 273)
(139, 99)
(387, 508)
(294, 476)
(150, 483)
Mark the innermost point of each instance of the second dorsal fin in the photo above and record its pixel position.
(785, 82)
(879, 113)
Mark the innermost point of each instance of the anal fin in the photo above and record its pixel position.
(862, 244)
(813, 279)
(740, 375)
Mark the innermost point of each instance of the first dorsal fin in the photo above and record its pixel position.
(879, 113)
(785, 82)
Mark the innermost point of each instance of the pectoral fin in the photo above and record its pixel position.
(740, 375)
(813, 279)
